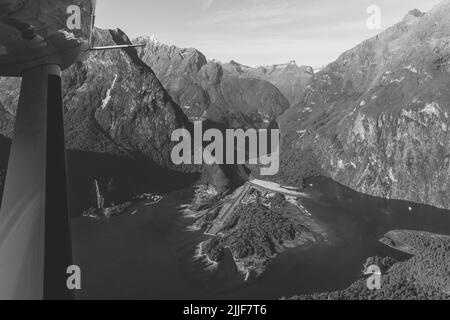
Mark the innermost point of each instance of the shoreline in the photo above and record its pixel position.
(211, 265)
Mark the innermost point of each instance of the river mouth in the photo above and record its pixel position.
(150, 255)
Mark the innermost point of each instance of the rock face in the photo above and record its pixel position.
(289, 78)
(125, 101)
(114, 104)
(208, 91)
(377, 119)
(118, 120)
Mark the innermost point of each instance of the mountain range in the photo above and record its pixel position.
(289, 78)
(376, 119)
(207, 90)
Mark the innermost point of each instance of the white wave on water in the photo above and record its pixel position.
(209, 264)
(286, 190)
(193, 228)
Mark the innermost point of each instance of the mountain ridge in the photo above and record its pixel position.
(376, 119)
(208, 91)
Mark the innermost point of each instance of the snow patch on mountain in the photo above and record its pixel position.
(431, 109)
(108, 93)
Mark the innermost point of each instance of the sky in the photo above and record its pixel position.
(256, 32)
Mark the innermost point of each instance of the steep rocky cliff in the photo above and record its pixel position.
(206, 90)
(118, 124)
(116, 95)
(114, 104)
(377, 119)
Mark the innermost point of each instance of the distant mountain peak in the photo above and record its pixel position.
(291, 63)
(292, 66)
(415, 13)
(307, 69)
(235, 63)
(153, 39)
(413, 16)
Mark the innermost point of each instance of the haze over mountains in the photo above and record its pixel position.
(375, 120)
